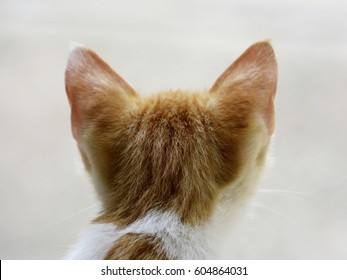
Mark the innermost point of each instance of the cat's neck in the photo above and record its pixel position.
(178, 240)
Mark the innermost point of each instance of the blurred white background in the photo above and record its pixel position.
(45, 196)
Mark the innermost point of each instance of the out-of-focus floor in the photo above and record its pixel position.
(46, 198)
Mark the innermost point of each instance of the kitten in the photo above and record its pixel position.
(173, 169)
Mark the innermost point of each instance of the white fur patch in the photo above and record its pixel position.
(179, 241)
(94, 243)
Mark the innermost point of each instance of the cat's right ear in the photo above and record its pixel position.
(248, 86)
(89, 81)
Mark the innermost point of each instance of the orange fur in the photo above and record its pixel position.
(133, 246)
(177, 151)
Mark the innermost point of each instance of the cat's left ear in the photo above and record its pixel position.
(249, 84)
(89, 81)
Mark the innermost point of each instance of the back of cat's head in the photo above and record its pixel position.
(177, 151)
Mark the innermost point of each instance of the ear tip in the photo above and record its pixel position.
(264, 51)
(264, 46)
(76, 49)
(259, 57)
(75, 46)
(78, 54)
(266, 42)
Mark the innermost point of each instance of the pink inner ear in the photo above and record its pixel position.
(76, 122)
(269, 116)
(76, 117)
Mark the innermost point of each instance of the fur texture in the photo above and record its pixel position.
(172, 167)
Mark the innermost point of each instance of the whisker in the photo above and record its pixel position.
(268, 226)
(253, 218)
(279, 213)
(283, 192)
(72, 215)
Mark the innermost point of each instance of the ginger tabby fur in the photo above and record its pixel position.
(181, 152)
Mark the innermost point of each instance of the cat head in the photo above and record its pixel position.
(176, 151)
